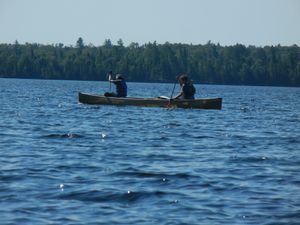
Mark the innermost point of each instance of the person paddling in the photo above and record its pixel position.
(187, 88)
(121, 86)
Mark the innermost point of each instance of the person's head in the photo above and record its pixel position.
(119, 77)
(183, 79)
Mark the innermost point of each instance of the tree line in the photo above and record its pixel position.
(209, 63)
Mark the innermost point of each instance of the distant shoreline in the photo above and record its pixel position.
(152, 62)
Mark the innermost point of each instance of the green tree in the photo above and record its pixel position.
(79, 43)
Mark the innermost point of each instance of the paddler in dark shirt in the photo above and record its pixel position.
(121, 87)
(187, 88)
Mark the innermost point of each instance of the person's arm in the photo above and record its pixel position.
(115, 81)
(179, 95)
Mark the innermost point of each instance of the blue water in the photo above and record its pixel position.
(67, 163)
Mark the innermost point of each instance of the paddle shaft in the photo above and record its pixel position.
(173, 89)
(169, 104)
(109, 78)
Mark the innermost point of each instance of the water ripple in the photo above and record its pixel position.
(68, 135)
(106, 196)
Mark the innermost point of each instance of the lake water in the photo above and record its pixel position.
(67, 163)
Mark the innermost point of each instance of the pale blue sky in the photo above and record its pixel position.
(249, 22)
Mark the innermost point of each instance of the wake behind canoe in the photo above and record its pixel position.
(212, 103)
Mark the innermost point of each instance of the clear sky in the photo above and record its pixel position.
(249, 22)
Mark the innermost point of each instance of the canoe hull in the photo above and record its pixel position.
(214, 103)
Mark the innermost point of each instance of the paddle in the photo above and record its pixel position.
(109, 78)
(173, 89)
(172, 93)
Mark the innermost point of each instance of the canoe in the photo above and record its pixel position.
(211, 103)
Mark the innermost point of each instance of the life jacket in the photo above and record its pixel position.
(121, 88)
(188, 90)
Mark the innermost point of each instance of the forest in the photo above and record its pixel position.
(151, 62)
